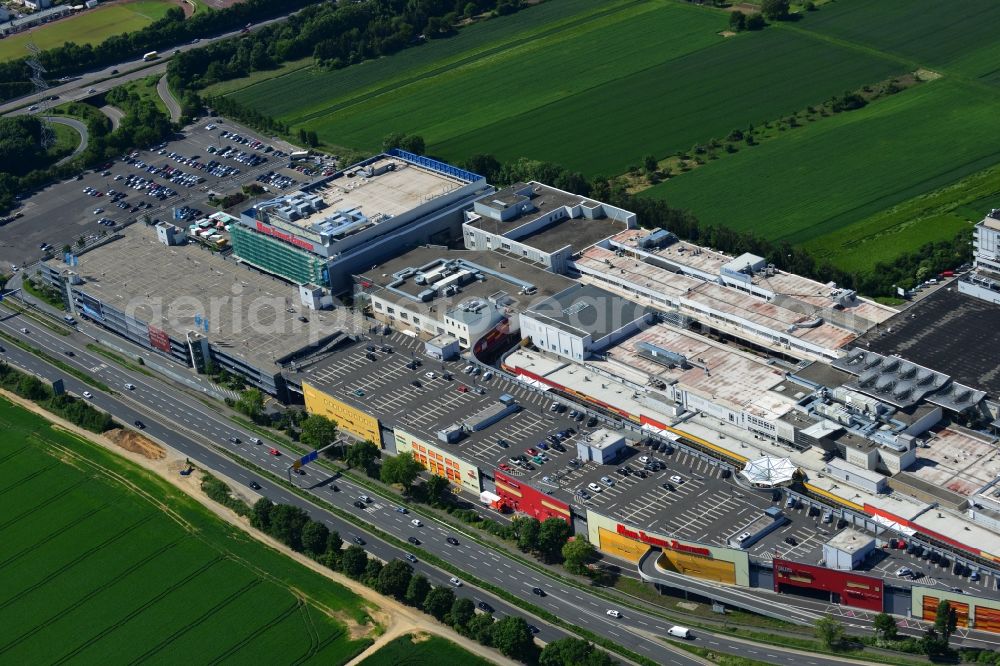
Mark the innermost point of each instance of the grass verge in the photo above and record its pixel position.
(36, 317)
(120, 360)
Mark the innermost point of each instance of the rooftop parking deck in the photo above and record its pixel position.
(180, 288)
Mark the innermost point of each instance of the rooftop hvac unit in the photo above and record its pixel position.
(872, 361)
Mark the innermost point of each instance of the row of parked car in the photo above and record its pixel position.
(277, 180)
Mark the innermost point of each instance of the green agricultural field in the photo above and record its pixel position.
(422, 651)
(90, 27)
(106, 563)
(594, 92)
(822, 184)
(958, 38)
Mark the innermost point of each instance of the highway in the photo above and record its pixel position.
(197, 430)
(102, 80)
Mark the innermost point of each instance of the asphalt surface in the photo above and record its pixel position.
(81, 130)
(163, 90)
(198, 431)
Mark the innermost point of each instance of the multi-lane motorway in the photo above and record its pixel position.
(198, 431)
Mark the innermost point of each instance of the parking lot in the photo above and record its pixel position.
(177, 174)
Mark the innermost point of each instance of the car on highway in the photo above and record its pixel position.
(358, 540)
(234, 440)
(452, 540)
(91, 91)
(130, 387)
(414, 540)
(254, 485)
(114, 71)
(69, 352)
(485, 607)
(88, 395)
(365, 499)
(533, 629)
(538, 591)
(360, 504)
(274, 452)
(139, 424)
(416, 522)
(24, 330)
(614, 613)
(33, 107)
(411, 558)
(402, 509)
(455, 581)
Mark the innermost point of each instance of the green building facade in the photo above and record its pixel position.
(277, 257)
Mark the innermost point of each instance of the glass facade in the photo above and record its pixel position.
(278, 257)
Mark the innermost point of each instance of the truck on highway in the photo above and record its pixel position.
(152, 55)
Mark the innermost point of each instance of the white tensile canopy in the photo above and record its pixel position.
(768, 472)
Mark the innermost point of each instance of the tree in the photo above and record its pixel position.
(417, 591)
(250, 403)
(315, 537)
(577, 554)
(394, 579)
(552, 536)
(945, 620)
(885, 626)
(413, 143)
(573, 652)
(485, 165)
(526, 531)
(353, 561)
(373, 568)
(932, 643)
(480, 628)
(362, 455)
(334, 543)
(317, 431)
(392, 140)
(402, 469)
(438, 602)
(737, 21)
(462, 610)
(312, 139)
(260, 516)
(774, 10)
(829, 632)
(513, 638)
(649, 163)
(287, 522)
(756, 22)
(438, 490)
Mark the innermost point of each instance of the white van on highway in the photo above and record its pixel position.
(679, 632)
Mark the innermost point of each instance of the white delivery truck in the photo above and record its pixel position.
(679, 632)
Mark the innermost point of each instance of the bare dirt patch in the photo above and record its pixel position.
(136, 443)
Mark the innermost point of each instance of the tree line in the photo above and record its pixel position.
(511, 635)
(74, 410)
(334, 34)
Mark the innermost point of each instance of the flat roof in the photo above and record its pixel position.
(792, 291)
(957, 460)
(579, 232)
(396, 187)
(822, 373)
(250, 315)
(713, 296)
(713, 370)
(586, 309)
(501, 274)
(850, 540)
(946, 331)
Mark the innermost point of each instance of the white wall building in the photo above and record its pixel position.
(984, 281)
